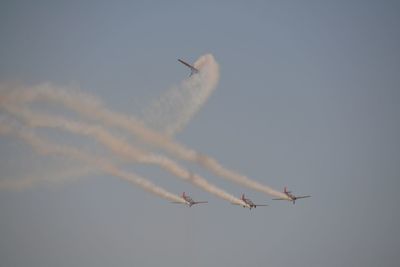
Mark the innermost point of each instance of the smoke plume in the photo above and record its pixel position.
(118, 147)
(176, 107)
(90, 107)
(42, 146)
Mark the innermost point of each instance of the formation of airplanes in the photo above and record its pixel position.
(246, 202)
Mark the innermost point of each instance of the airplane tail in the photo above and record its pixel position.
(183, 195)
(285, 190)
(242, 196)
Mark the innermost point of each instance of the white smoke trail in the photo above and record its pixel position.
(175, 108)
(55, 176)
(90, 107)
(43, 146)
(119, 147)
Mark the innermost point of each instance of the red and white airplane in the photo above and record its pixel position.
(290, 196)
(188, 201)
(249, 204)
(193, 70)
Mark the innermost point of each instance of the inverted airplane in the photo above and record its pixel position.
(188, 201)
(249, 204)
(193, 70)
(290, 196)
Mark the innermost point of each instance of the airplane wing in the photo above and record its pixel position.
(302, 197)
(200, 202)
(261, 205)
(280, 199)
(193, 70)
(177, 202)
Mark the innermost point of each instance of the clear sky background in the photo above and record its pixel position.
(308, 98)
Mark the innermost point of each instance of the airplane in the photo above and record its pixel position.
(193, 70)
(188, 200)
(248, 202)
(290, 196)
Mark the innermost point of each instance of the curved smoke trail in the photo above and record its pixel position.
(92, 108)
(176, 107)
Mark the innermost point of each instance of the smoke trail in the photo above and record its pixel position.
(45, 147)
(55, 176)
(119, 147)
(90, 107)
(174, 109)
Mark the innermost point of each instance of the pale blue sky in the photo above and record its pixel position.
(308, 98)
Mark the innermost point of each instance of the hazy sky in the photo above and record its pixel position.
(308, 98)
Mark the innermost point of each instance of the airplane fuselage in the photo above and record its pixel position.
(290, 196)
(189, 200)
(249, 204)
